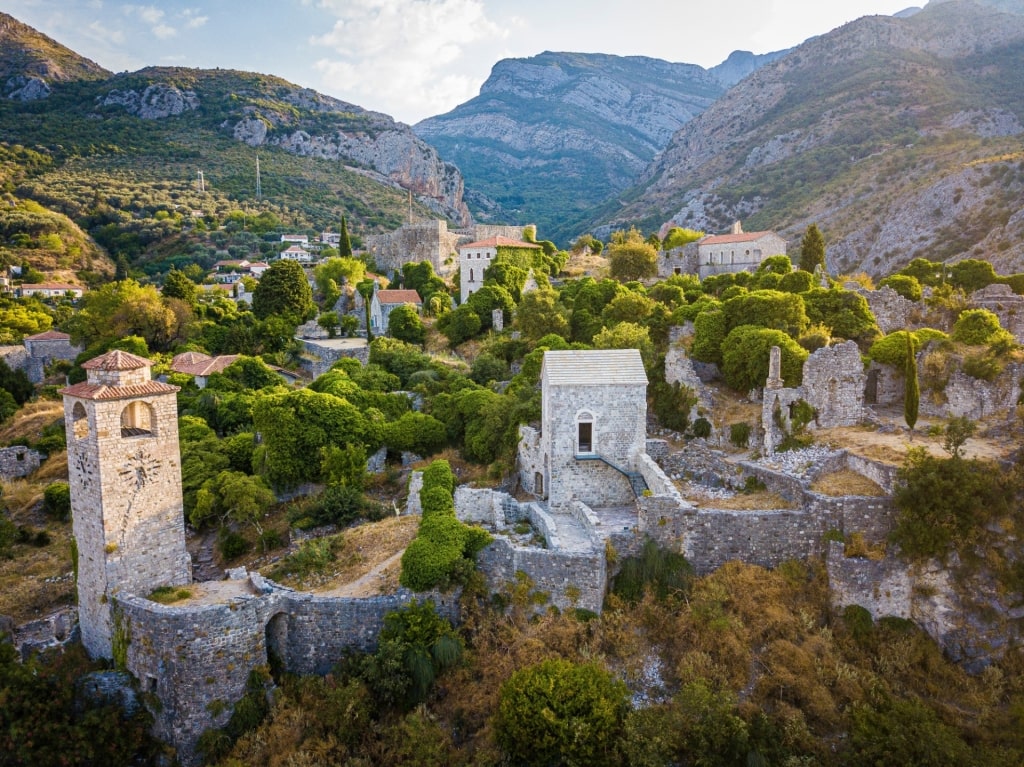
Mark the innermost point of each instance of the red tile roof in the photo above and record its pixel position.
(117, 360)
(49, 335)
(500, 242)
(727, 239)
(94, 391)
(202, 367)
(399, 297)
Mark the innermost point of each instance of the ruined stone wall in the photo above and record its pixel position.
(424, 241)
(18, 461)
(974, 398)
(531, 462)
(196, 659)
(833, 384)
(318, 358)
(42, 353)
(681, 260)
(1005, 304)
(16, 357)
(887, 384)
(561, 575)
(892, 311)
(679, 369)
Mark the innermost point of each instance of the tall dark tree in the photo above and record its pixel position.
(365, 288)
(283, 291)
(121, 268)
(812, 249)
(344, 243)
(912, 392)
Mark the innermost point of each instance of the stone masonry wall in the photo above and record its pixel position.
(18, 461)
(318, 358)
(1005, 304)
(425, 241)
(833, 384)
(196, 659)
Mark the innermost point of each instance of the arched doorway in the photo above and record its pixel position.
(277, 646)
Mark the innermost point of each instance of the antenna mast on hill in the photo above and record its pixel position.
(259, 189)
(202, 183)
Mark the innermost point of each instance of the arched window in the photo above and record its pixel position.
(137, 420)
(79, 421)
(585, 433)
(470, 275)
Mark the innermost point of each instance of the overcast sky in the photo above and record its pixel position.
(413, 59)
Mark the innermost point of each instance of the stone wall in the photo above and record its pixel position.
(424, 241)
(833, 384)
(530, 461)
(892, 311)
(317, 358)
(679, 369)
(196, 659)
(569, 579)
(974, 398)
(42, 352)
(18, 461)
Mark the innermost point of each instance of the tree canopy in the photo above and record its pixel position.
(283, 291)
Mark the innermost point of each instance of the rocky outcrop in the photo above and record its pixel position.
(156, 102)
(23, 88)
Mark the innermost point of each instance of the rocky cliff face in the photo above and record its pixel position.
(900, 137)
(552, 134)
(261, 111)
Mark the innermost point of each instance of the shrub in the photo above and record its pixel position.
(739, 433)
(231, 544)
(976, 327)
(671, 404)
(57, 501)
(559, 712)
(662, 571)
(904, 284)
(702, 428)
(745, 354)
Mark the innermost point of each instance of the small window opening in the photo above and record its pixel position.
(586, 437)
(137, 420)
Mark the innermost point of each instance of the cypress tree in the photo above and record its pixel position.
(812, 249)
(344, 243)
(912, 393)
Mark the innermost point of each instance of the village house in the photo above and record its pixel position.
(475, 257)
(49, 290)
(295, 239)
(297, 253)
(737, 251)
(384, 302)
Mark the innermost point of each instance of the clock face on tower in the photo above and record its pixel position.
(139, 469)
(84, 470)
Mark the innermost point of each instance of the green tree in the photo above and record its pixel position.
(677, 237)
(812, 249)
(912, 389)
(15, 383)
(339, 270)
(558, 712)
(844, 312)
(57, 500)
(540, 314)
(631, 257)
(957, 431)
(769, 309)
(344, 241)
(978, 326)
(8, 407)
(283, 291)
(460, 325)
(904, 284)
(177, 285)
(627, 335)
(404, 323)
(745, 354)
(329, 322)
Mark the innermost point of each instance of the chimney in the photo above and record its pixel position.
(737, 228)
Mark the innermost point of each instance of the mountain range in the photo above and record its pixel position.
(899, 136)
(553, 135)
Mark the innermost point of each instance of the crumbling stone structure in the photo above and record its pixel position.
(411, 243)
(44, 348)
(18, 461)
(1005, 304)
(833, 385)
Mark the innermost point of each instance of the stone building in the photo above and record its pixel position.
(44, 348)
(125, 471)
(386, 301)
(593, 428)
(736, 251)
(422, 241)
(475, 257)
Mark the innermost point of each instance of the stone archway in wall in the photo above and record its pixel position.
(871, 388)
(277, 645)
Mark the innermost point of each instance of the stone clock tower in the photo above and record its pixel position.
(125, 476)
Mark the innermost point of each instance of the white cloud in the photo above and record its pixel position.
(192, 18)
(400, 56)
(163, 31)
(152, 16)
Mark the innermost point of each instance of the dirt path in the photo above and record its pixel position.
(382, 579)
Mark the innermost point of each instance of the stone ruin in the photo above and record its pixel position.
(833, 385)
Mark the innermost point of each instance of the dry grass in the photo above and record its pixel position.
(740, 501)
(34, 582)
(363, 550)
(846, 482)
(30, 420)
(21, 497)
(53, 469)
(580, 265)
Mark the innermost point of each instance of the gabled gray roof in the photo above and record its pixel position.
(598, 367)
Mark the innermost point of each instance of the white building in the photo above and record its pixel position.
(475, 257)
(297, 253)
